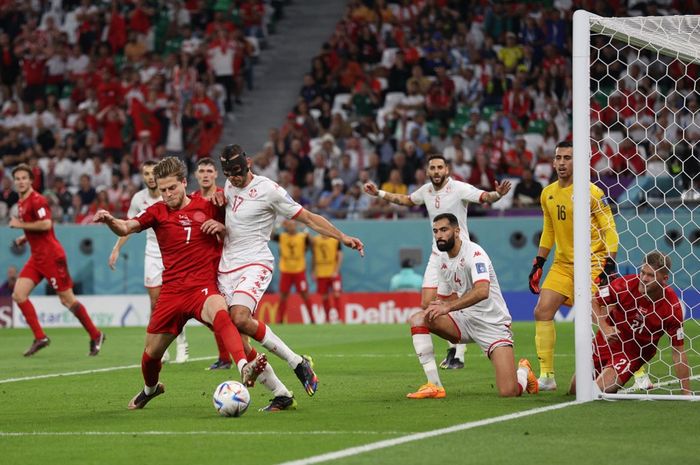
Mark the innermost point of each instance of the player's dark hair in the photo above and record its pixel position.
(148, 163)
(437, 156)
(206, 161)
(23, 167)
(170, 166)
(565, 144)
(658, 261)
(449, 217)
(232, 151)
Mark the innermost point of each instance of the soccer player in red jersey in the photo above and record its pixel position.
(632, 314)
(188, 238)
(48, 260)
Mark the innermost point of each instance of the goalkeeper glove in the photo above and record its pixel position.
(536, 274)
(608, 274)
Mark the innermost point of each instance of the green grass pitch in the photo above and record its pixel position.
(364, 373)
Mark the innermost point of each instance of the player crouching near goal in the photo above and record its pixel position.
(473, 310)
(632, 313)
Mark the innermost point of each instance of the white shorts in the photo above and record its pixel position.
(246, 285)
(486, 334)
(430, 277)
(153, 272)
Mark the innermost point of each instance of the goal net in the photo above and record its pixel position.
(636, 111)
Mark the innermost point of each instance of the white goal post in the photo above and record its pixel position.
(634, 119)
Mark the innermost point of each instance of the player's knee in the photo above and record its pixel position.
(240, 317)
(67, 301)
(542, 313)
(417, 319)
(510, 390)
(18, 297)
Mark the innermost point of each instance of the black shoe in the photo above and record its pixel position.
(96, 344)
(445, 364)
(37, 345)
(220, 365)
(306, 375)
(280, 403)
(455, 364)
(141, 399)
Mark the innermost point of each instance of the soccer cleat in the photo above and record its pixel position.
(37, 345)
(445, 364)
(141, 399)
(220, 365)
(305, 373)
(96, 344)
(533, 385)
(455, 364)
(280, 403)
(183, 353)
(546, 383)
(251, 370)
(642, 383)
(428, 391)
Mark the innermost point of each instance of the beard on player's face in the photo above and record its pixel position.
(445, 244)
(438, 179)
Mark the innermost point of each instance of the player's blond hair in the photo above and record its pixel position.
(170, 166)
(658, 261)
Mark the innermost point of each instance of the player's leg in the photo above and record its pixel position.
(556, 291)
(423, 345)
(69, 301)
(285, 288)
(511, 382)
(20, 294)
(302, 287)
(153, 293)
(337, 296)
(283, 398)
(156, 345)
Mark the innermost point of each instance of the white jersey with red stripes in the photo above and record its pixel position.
(140, 202)
(459, 274)
(251, 212)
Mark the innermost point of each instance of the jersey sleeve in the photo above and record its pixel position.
(41, 209)
(418, 196)
(479, 266)
(470, 193)
(547, 237)
(604, 220)
(148, 218)
(608, 295)
(673, 325)
(283, 203)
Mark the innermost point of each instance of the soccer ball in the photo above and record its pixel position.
(231, 399)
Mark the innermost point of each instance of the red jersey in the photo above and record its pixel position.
(44, 245)
(190, 257)
(638, 318)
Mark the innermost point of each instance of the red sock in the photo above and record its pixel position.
(250, 356)
(32, 320)
(419, 330)
(260, 332)
(223, 353)
(150, 367)
(327, 308)
(82, 315)
(229, 335)
(281, 311)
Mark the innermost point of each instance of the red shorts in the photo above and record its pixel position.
(625, 358)
(323, 285)
(298, 279)
(55, 271)
(176, 306)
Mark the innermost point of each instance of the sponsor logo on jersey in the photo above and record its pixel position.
(184, 220)
(481, 267)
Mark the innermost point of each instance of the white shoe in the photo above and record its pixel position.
(642, 383)
(183, 353)
(547, 383)
(165, 358)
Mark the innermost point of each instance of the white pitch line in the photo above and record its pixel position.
(87, 372)
(191, 433)
(352, 451)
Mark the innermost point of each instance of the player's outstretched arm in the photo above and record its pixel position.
(680, 366)
(501, 189)
(325, 227)
(398, 199)
(114, 256)
(118, 227)
(35, 226)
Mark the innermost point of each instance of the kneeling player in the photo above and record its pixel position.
(632, 314)
(475, 313)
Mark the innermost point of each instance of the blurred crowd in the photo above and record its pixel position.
(488, 85)
(91, 89)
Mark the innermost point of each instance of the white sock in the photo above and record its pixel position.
(451, 345)
(423, 344)
(149, 390)
(521, 373)
(181, 338)
(274, 344)
(269, 379)
(460, 349)
(241, 363)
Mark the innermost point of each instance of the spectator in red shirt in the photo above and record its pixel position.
(112, 120)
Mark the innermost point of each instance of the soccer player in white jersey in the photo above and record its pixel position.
(469, 308)
(245, 271)
(153, 263)
(442, 195)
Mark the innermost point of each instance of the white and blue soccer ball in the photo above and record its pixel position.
(231, 399)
